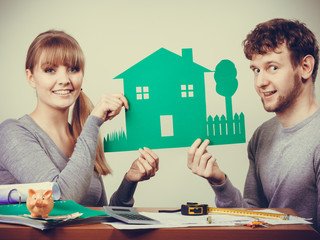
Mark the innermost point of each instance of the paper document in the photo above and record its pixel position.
(63, 212)
(174, 220)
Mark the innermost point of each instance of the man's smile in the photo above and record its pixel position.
(269, 93)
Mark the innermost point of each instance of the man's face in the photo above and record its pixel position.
(276, 81)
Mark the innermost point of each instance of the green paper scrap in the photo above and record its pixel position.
(59, 208)
(166, 95)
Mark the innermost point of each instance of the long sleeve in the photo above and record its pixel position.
(253, 190)
(124, 195)
(28, 155)
(229, 196)
(284, 170)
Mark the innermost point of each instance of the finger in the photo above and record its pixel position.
(204, 161)
(140, 166)
(113, 99)
(142, 170)
(114, 105)
(147, 167)
(145, 155)
(113, 113)
(123, 99)
(148, 150)
(211, 162)
(192, 151)
(154, 156)
(203, 146)
(209, 171)
(199, 152)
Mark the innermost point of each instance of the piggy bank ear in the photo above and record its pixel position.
(31, 192)
(48, 193)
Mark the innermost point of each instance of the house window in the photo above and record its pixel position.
(142, 93)
(187, 90)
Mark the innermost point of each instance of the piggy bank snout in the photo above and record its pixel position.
(40, 203)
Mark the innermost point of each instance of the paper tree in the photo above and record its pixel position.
(166, 94)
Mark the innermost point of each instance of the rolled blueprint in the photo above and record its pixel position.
(16, 193)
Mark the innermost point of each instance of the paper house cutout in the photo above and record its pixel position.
(166, 95)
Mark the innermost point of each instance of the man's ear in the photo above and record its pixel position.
(30, 78)
(307, 66)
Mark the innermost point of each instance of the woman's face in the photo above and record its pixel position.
(57, 86)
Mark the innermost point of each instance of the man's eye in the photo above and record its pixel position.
(273, 68)
(256, 70)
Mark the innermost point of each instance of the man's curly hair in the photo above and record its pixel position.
(270, 35)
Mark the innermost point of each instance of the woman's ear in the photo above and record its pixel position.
(307, 66)
(30, 78)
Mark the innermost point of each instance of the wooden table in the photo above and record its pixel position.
(103, 231)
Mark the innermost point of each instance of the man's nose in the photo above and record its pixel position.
(261, 79)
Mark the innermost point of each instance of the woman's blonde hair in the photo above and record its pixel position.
(59, 48)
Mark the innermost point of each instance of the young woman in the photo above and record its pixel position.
(43, 146)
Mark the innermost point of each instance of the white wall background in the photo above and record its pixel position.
(115, 35)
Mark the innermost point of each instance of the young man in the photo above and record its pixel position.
(284, 152)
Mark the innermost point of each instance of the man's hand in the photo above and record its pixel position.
(204, 164)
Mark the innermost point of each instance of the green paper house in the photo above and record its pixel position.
(166, 94)
(167, 100)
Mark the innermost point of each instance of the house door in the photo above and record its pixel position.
(166, 125)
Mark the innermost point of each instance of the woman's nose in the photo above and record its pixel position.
(63, 77)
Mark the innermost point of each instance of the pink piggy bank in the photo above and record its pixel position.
(40, 203)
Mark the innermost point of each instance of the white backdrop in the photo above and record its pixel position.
(115, 35)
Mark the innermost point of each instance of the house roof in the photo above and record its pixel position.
(163, 56)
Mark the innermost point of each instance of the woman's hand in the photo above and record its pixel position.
(110, 106)
(144, 167)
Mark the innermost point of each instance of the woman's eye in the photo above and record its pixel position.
(74, 69)
(49, 70)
